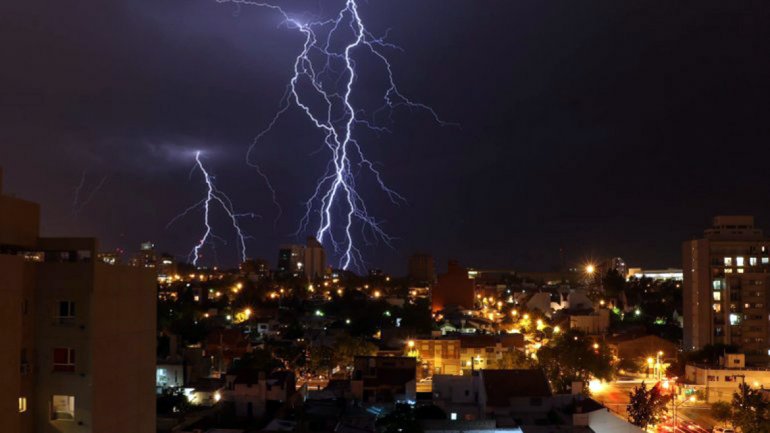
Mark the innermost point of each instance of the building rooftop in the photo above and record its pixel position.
(502, 385)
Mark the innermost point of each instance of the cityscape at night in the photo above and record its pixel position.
(385, 216)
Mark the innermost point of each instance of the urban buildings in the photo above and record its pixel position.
(302, 260)
(78, 334)
(725, 287)
(454, 289)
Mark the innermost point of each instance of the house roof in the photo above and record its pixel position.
(390, 377)
(502, 385)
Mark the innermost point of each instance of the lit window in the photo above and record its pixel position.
(63, 407)
(735, 319)
(717, 307)
(765, 260)
(717, 296)
(63, 359)
(65, 311)
(752, 261)
(728, 261)
(728, 271)
(22, 404)
(740, 270)
(453, 416)
(739, 261)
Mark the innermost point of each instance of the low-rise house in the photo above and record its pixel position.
(251, 391)
(437, 356)
(594, 322)
(483, 351)
(378, 379)
(458, 396)
(720, 381)
(205, 392)
(640, 347)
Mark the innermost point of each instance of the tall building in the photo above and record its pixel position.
(726, 286)
(78, 334)
(290, 260)
(454, 289)
(315, 259)
(422, 268)
(302, 260)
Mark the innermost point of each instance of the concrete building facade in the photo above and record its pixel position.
(79, 334)
(726, 278)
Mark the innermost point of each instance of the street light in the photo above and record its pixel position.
(590, 269)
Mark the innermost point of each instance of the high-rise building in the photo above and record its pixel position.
(315, 259)
(422, 268)
(78, 334)
(307, 260)
(454, 289)
(726, 278)
(290, 260)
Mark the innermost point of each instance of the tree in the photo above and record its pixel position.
(646, 405)
(573, 356)
(401, 420)
(750, 411)
(514, 359)
(722, 411)
(346, 348)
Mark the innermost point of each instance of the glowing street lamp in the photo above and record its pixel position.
(590, 269)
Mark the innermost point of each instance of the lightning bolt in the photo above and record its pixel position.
(214, 196)
(77, 204)
(322, 86)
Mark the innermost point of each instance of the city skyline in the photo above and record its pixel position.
(582, 136)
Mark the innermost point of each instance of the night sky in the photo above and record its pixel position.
(603, 128)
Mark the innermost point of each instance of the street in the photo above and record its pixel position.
(690, 417)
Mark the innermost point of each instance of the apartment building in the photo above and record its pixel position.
(79, 335)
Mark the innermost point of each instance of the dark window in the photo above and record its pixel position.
(64, 359)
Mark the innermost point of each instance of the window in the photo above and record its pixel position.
(453, 416)
(63, 407)
(728, 261)
(739, 261)
(735, 319)
(765, 260)
(717, 307)
(740, 270)
(64, 359)
(22, 404)
(728, 271)
(752, 261)
(65, 312)
(717, 296)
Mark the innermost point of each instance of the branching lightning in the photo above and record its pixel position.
(322, 86)
(213, 196)
(77, 204)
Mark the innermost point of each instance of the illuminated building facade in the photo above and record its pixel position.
(726, 286)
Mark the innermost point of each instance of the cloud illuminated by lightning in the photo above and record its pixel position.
(213, 196)
(322, 86)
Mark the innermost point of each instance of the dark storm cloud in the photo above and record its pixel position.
(597, 127)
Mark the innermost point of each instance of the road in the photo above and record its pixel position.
(690, 417)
